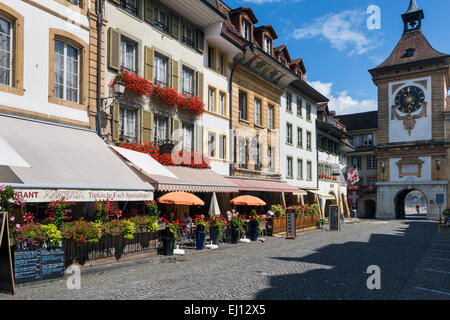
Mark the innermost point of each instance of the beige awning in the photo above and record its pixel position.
(324, 195)
(66, 161)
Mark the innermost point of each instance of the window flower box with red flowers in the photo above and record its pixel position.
(327, 177)
(170, 96)
(196, 160)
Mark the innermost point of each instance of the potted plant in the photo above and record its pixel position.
(278, 210)
(217, 225)
(237, 228)
(254, 225)
(169, 236)
(321, 222)
(58, 212)
(200, 226)
(103, 209)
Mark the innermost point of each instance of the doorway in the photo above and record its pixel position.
(370, 208)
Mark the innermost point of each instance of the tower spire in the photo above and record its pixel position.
(413, 17)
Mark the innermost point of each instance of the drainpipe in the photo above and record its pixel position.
(99, 12)
(230, 88)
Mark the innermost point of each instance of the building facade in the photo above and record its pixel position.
(412, 146)
(363, 127)
(333, 145)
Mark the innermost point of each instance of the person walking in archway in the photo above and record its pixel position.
(418, 208)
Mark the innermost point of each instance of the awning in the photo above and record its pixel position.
(324, 195)
(176, 178)
(66, 162)
(10, 157)
(263, 185)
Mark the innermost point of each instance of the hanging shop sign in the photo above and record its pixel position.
(48, 195)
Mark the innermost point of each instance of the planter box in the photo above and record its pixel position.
(301, 224)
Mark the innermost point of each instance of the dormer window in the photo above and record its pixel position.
(267, 45)
(246, 30)
(283, 62)
(410, 52)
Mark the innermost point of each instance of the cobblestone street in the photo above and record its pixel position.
(413, 256)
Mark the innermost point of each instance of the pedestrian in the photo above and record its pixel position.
(418, 208)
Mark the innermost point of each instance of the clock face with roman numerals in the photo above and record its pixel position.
(410, 99)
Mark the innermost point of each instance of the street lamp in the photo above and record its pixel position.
(119, 89)
(438, 164)
(382, 166)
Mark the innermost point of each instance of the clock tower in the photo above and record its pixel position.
(413, 122)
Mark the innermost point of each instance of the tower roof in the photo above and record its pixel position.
(412, 7)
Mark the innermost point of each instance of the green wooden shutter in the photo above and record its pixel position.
(149, 59)
(200, 41)
(114, 49)
(175, 26)
(115, 121)
(175, 75)
(148, 11)
(146, 126)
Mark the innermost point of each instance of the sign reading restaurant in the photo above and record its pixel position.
(40, 195)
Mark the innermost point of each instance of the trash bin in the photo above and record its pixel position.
(355, 212)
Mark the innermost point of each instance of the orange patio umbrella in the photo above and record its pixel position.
(247, 201)
(183, 198)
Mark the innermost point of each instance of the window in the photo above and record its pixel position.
(188, 81)
(127, 125)
(128, 55)
(161, 128)
(367, 140)
(161, 20)
(357, 141)
(161, 70)
(288, 133)
(129, 5)
(212, 145)
(356, 162)
(300, 137)
(267, 45)
(309, 170)
(187, 136)
(283, 62)
(270, 156)
(222, 146)
(270, 116)
(187, 36)
(371, 162)
(289, 103)
(299, 107)
(211, 58)
(6, 52)
(75, 2)
(242, 105)
(308, 112)
(371, 181)
(211, 99)
(289, 173)
(67, 72)
(300, 169)
(308, 140)
(222, 103)
(257, 111)
(246, 32)
(221, 64)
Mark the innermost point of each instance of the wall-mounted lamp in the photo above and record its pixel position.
(119, 89)
(382, 166)
(438, 164)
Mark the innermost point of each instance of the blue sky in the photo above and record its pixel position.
(337, 47)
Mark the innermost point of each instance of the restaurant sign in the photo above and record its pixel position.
(49, 195)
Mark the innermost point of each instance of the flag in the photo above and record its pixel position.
(352, 176)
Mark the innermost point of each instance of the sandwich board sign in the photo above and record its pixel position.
(290, 224)
(335, 221)
(6, 268)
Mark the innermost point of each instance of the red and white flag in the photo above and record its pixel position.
(352, 176)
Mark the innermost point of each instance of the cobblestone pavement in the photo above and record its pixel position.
(413, 257)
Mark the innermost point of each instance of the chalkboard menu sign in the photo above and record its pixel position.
(334, 218)
(38, 264)
(6, 270)
(290, 224)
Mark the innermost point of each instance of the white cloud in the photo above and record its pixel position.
(344, 31)
(341, 102)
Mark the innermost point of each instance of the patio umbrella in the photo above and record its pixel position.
(183, 198)
(247, 201)
(214, 206)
